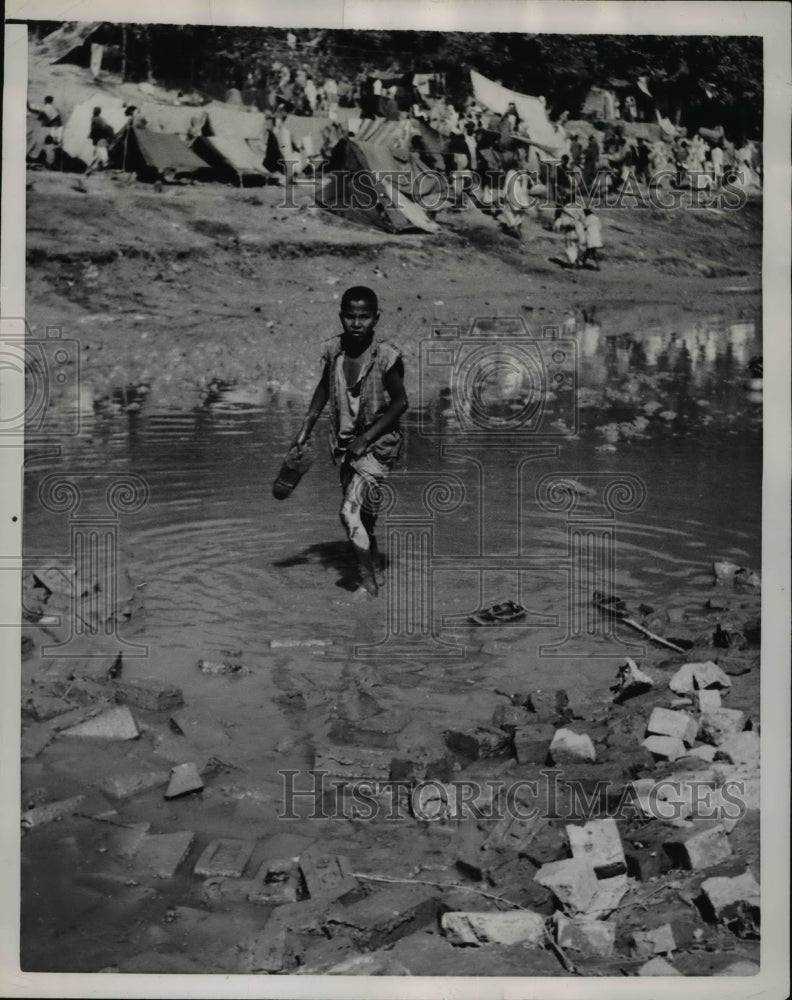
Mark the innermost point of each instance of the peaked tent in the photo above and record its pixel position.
(180, 120)
(76, 143)
(368, 185)
(231, 123)
(395, 136)
(236, 160)
(153, 155)
(534, 121)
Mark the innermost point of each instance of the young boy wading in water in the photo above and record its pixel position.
(363, 381)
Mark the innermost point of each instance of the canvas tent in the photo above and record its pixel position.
(76, 143)
(60, 44)
(534, 121)
(154, 155)
(230, 123)
(240, 161)
(367, 184)
(394, 136)
(185, 122)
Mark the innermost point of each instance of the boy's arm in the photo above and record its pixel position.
(317, 404)
(394, 384)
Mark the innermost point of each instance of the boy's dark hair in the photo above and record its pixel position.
(359, 293)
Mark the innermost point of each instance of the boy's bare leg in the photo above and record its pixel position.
(352, 514)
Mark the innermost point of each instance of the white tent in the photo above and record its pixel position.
(75, 133)
(533, 115)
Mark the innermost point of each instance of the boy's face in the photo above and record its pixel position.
(358, 318)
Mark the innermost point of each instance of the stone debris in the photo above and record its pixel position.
(630, 682)
(665, 722)
(610, 892)
(518, 927)
(707, 699)
(743, 748)
(592, 938)
(598, 842)
(183, 780)
(697, 676)
(478, 742)
(217, 668)
(326, 876)
(664, 747)
(658, 967)
(733, 901)
(275, 949)
(115, 724)
(51, 812)
(353, 762)
(149, 693)
(276, 882)
(510, 717)
(323, 915)
(160, 854)
(721, 725)
(125, 783)
(699, 848)
(657, 941)
(568, 746)
(226, 857)
(385, 916)
(572, 881)
(531, 744)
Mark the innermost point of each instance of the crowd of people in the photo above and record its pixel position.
(456, 137)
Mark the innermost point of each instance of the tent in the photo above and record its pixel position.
(395, 136)
(534, 121)
(154, 155)
(232, 123)
(237, 160)
(368, 184)
(60, 44)
(76, 143)
(181, 120)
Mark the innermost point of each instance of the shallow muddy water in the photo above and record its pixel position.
(226, 566)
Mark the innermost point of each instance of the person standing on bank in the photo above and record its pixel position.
(363, 380)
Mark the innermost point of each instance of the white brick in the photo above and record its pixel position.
(519, 927)
(665, 722)
(657, 941)
(729, 896)
(741, 749)
(707, 699)
(572, 882)
(630, 682)
(720, 725)
(665, 747)
(116, 724)
(658, 967)
(598, 842)
(704, 752)
(584, 935)
(700, 848)
(568, 746)
(693, 676)
(610, 892)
